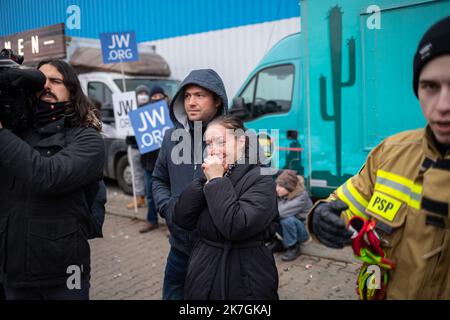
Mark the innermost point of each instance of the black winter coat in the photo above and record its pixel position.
(169, 180)
(46, 192)
(233, 217)
(148, 160)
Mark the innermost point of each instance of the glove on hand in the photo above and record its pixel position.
(327, 225)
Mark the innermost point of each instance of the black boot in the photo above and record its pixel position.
(292, 253)
(275, 246)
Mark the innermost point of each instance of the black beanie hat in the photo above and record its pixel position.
(434, 43)
(156, 89)
(142, 88)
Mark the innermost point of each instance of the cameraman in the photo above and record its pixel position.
(49, 179)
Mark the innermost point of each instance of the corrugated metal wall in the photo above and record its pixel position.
(151, 19)
(230, 36)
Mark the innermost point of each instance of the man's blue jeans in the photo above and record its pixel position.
(152, 214)
(293, 230)
(174, 275)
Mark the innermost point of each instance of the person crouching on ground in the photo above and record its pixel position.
(293, 206)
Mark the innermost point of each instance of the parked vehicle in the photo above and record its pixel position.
(340, 86)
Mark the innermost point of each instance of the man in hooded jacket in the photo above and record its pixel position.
(200, 98)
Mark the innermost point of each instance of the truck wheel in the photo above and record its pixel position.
(123, 175)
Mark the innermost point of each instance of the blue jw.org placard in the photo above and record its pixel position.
(149, 123)
(119, 47)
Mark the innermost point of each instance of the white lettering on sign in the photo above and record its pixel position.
(120, 54)
(122, 39)
(119, 41)
(154, 137)
(20, 46)
(35, 44)
(152, 118)
(150, 122)
(119, 47)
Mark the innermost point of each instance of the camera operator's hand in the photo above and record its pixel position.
(327, 225)
(1, 127)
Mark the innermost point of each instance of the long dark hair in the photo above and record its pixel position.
(84, 112)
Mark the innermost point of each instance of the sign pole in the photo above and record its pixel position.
(123, 77)
(130, 160)
(129, 149)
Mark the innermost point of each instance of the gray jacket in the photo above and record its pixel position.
(298, 206)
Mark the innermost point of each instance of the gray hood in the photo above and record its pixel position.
(205, 78)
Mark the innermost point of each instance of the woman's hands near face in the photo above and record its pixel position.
(213, 167)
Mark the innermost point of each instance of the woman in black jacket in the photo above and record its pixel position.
(232, 211)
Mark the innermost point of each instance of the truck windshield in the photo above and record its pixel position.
(169, 86)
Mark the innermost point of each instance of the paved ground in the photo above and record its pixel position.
(128, 265)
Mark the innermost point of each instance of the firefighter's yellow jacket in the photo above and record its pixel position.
(405, 186)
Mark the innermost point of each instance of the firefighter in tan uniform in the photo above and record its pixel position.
(395, 211)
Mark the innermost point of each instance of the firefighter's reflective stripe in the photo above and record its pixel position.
(356, 203)
(399, 187)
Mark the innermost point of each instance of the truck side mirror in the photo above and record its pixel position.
(238, 108)
(107, 113)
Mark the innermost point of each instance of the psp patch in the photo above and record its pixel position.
(384, 205)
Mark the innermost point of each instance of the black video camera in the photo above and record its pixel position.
(18, 86)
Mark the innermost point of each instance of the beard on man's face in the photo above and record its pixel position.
(48, 96)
